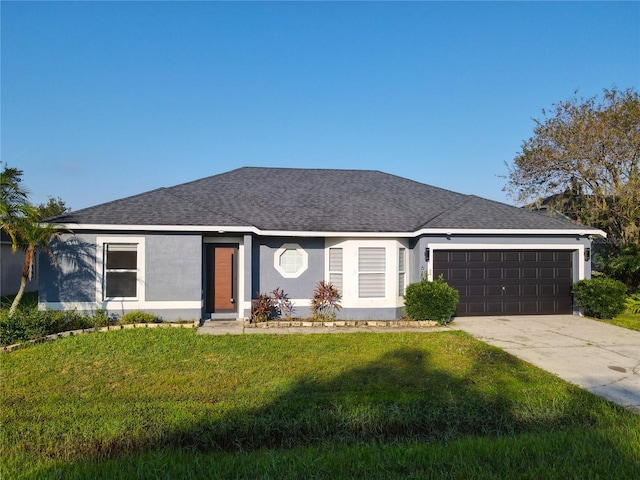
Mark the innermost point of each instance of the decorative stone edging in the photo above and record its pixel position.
(344, 323)
(72, 333)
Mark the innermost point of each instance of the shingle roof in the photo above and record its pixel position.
(290, 199)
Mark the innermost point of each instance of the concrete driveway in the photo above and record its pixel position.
(601, 358)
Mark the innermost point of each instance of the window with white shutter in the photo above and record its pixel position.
(401, 270)
(371, 272)
(335, 268)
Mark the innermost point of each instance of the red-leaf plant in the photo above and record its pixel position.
(324, 303)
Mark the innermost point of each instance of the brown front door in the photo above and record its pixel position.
(221, 278)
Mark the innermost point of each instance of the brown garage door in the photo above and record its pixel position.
(495, 282)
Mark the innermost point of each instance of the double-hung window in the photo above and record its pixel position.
(371, 272)
(120, 270)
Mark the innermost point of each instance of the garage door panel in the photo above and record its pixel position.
(458, 273)
(494, 290)
(463, 290)
(511, 273)
(476, 290)
(511, 256)
(546, 306)
(494, 282)
(546, 256)
(493, 256)
(476, 273)
(546, 272)
(458, 256)
(511, 290)
(476, 257)
(564, 273)
(564, 303)
(547, 290)
(494, 273)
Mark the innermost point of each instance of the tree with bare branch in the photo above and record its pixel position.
(583, 162)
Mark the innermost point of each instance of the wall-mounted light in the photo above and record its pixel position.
(427, 254)
(587, 254)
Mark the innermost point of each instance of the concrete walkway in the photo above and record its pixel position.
(601, 358)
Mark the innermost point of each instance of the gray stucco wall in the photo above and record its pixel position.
(11, 264)
(74, 278)
(173, 272)
(266, 278)
(173, 267)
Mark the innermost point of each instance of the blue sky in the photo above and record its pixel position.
(102, 100)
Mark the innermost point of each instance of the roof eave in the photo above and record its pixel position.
(223, 229)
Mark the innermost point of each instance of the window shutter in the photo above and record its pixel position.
(401, 271)
(371, 276)
(335, 259)
(335, 268)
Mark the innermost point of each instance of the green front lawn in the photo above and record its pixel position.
(167, 403)
(626, 320)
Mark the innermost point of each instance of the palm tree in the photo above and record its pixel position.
(32, 235)
(14, 202)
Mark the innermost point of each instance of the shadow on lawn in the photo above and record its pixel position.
(400, 397)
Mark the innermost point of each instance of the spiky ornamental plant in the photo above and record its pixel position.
(282, 303)
(325, 301)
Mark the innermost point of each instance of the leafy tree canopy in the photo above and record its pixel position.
(582, 161)
(53, 208)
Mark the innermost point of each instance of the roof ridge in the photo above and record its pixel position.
(448, 211)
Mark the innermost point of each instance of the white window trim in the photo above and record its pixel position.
(101, 271)
(301, 251)
(350, 270)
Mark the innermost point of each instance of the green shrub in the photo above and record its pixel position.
(138, 316)
(600, 297)
(632, 303)
(426, 300)
(32, 324)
